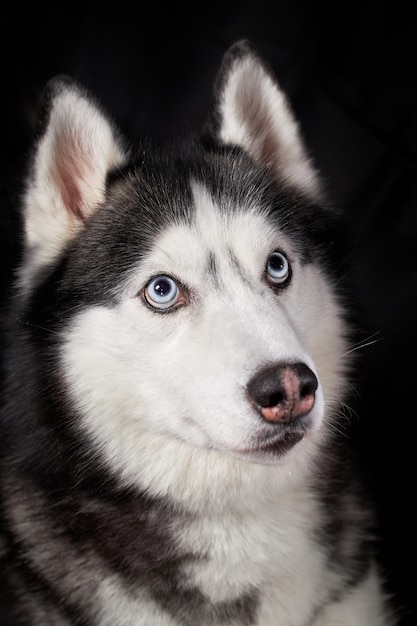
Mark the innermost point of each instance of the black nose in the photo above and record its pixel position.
(283, 392)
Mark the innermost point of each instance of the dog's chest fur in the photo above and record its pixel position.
(141, 561)
(263, 554)
(237, 566)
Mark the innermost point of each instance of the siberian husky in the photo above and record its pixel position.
(178, 367)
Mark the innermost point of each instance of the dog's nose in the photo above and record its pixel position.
(283, 392)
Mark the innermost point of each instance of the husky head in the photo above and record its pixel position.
(182, 302)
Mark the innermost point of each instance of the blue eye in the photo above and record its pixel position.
(277, 268)
(162, 293)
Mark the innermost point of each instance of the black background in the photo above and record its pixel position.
(351, 76)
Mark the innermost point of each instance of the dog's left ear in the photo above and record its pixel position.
(77, 146)
(252, 111)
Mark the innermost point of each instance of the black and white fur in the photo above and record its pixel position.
(178, 366)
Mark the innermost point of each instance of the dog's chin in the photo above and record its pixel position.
(273, 451)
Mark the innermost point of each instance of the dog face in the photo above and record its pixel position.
(186, 296)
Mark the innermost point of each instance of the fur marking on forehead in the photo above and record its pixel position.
(226, 225)
(220, 238)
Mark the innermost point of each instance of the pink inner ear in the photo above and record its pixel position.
(67, 172)
(257, 119)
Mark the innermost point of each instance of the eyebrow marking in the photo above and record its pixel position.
(212, 264)
(237, 266)
(213, 269)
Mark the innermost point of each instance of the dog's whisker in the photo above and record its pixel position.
(362, 344)
(39, 327)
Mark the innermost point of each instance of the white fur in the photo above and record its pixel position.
(116, 605)
(122, 608)
(197, 361)
(163, 399)
(362, 605)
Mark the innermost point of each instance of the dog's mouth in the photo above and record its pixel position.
(274, 448)
(280, 446)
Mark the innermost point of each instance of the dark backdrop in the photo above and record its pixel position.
(351, 76)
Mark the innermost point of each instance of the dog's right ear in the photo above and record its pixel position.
(76, 148)
(252, 111)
